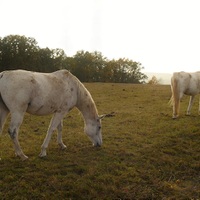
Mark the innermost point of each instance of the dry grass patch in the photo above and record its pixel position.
(145, 154)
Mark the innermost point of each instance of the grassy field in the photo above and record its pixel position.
(145, 153)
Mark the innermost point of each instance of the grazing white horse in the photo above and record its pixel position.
(43, 94)
(184, 83)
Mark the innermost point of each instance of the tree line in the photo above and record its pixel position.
(20, 52)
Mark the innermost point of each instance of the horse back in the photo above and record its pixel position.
(186, 83)
(34, 91)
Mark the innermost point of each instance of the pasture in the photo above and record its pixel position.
(145, 153)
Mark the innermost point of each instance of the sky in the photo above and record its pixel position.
(162, 35)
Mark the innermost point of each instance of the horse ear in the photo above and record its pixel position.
(102, 116)
(112, 114)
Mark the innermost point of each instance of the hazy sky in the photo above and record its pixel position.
(163, 35)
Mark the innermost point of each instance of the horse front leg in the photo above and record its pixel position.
(56, 120)
(59, 137)
(191, 101)
(16, 120)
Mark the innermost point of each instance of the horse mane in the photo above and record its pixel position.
(85, 100)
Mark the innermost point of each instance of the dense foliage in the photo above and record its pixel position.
(20, 52)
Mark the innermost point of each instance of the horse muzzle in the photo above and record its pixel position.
(97, 145)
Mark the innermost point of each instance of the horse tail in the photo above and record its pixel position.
(171, 101)
(175, 98)
(3, 108)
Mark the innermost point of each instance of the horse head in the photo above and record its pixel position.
(93, 130)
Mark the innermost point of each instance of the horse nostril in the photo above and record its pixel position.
(97, 145)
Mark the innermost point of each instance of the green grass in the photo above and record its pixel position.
(145, 153)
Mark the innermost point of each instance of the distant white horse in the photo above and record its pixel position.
(184, 83)
(42, 94)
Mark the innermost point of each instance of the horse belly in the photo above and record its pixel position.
(42, 108)
(191, 91)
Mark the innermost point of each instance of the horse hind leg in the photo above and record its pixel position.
(191, 101)
(16, 120)
(199, 106)
(176, 106)
(3, 114)
(59, 137)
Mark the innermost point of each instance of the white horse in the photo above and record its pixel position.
(184, 83)
(42, 94)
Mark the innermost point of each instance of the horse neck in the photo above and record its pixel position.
(86, 105)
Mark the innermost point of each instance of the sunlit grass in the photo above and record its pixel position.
(145, 153)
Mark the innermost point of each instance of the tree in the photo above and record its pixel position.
(17, 51)
(44, 60)
(20, 52)
(24, 53)
(88, 66)
(125, 71)
(58, 56)
(153, 81)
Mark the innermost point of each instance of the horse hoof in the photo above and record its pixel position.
(23, 158)
(62, 146)
(42, 155)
